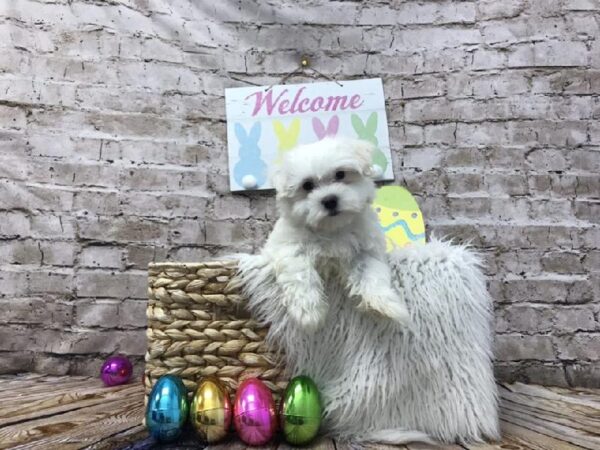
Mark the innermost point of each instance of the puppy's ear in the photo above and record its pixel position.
(363, 152)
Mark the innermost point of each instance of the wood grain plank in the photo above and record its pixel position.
(121, 439)
(522, 438)
(585, 397)
(32, 395)
(575, 416)
(320, 443)
(548, 426)
(422, 446)
(60, 402)
(17, 392)
(24, 381)
(372, 446)
(75, 429)
(231, 443)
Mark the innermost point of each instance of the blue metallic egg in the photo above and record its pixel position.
(167, 408)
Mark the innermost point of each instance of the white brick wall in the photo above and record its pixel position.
(112, 155)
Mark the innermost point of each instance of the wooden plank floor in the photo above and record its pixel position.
(50, 412)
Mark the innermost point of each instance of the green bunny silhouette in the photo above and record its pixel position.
(366, 131)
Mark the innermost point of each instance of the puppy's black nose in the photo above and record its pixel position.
(330, 202)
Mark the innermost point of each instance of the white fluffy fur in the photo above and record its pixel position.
(309, 238)
(336, 307)
(381, 382)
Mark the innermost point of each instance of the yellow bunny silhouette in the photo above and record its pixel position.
(287, 137)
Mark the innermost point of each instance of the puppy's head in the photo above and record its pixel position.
(326, 185)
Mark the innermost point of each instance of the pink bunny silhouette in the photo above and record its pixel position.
(332, 127)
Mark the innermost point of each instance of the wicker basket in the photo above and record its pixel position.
(197, 326)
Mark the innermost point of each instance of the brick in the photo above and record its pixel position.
(462, 183)
(545, 374)
(584, 374)
(51, 364)
(562, 262)
(588, 210)
(573, 319)
(440, 134)
(224, 233)
(547, 290)
(20, 252)
(547, 159)
(41, 198)
(553, 54)
(14, 281)
(504, 209)
(15, 362)
(582, 5)
(506, 184)
(101, 314)
(490, 9)
(188, 231)
(237, 207)
(163, 205)
(139, 256)
(36, 311)
(122, 229)
(52, 225)
(132, 313)
(464, 157)
(469, 207)
(101, 283)
(101, 256)
(14, 224)
(12, 118)
(525, 319)
(57, 253)
(581, 347)
(55, 281)
(582, 159)
(515, 347)
(422, 159)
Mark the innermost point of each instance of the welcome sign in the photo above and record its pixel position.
(264, 123)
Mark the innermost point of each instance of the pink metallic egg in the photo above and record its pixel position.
(116, 370)
(254, 415)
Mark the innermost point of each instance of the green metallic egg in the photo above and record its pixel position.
(300, 411)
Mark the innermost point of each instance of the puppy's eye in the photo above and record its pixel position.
(340, 174)
(308, 185)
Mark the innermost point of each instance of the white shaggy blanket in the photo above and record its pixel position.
(381, 382)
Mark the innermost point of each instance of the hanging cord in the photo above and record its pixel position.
(304, 65)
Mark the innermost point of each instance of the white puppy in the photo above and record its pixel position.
(327, 226)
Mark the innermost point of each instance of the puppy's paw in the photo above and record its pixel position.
(309, 313)
(387, 303)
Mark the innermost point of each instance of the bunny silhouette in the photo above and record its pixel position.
(287, 137)
(332, 127)
(366, 131)
(250, 171)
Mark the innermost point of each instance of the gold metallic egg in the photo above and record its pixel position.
(210, 412)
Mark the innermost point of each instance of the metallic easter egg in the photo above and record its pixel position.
(167, 408)
(300, 411)
(254, 415)
(210, 411)
(116, 370)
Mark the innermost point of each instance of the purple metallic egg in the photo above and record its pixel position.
(116, 370)
(254, 415)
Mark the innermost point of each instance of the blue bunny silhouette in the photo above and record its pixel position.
(250, 162)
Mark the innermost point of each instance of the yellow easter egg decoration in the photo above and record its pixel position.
(399, 217)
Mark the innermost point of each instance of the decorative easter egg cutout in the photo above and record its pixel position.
(399, 217)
